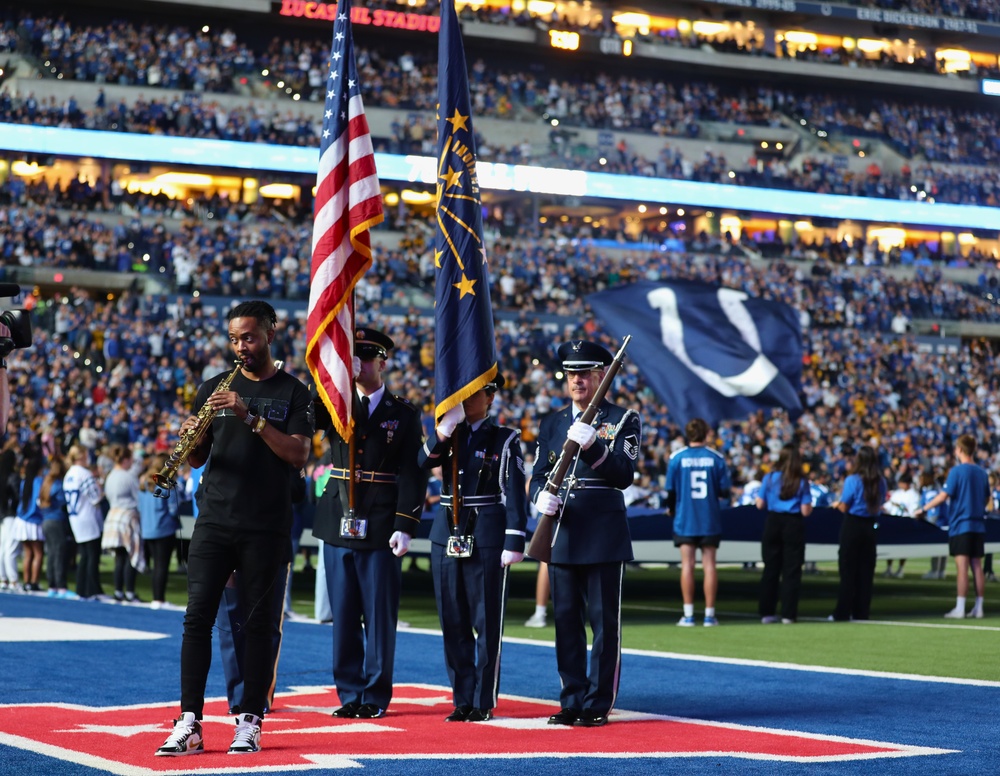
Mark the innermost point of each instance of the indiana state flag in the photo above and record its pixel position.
(464, 346)
(708, 352)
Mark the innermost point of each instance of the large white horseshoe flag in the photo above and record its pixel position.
(709, 352)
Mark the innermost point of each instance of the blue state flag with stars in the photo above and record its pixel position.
(465, 351)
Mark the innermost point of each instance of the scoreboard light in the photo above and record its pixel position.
(991, 87)
(564, 39)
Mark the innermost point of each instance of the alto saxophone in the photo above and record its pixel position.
(166, 480)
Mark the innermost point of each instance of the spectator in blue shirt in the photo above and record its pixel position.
(930, 486)
(785, 495)
(697, 477)
(967, 491)
(861, 502)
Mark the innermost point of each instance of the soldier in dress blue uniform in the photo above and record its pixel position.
(362, 549)
(592, 541)
(469, 560)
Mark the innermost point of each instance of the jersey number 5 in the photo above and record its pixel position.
(699, 485)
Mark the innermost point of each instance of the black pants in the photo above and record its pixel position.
(88, 575)
(582, 593)
(783, 549)
(471, 595)
(159, 552)
(214, 554)
(124, 571)
(856, 562)
(57, 535)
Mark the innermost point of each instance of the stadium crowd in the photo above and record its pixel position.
(941, 134)
(551, 273)
(96, 360)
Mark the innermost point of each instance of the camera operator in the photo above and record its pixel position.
(6, 345)
(15, 332)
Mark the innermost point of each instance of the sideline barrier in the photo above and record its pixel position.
(742, 527)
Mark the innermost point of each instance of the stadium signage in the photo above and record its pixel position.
(363, 16)
(563, 39)
(99, 144)
(875, 15)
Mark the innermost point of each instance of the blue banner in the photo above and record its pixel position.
(708, 352)
(465, 351)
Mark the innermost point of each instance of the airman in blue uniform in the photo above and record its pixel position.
(591, 541)
(470, 556)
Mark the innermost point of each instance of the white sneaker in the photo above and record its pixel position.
(771, 619)
(955, 614)
(686, 622)
(975, 614)
(247, 738)
(155, 604)
(537, 620)
(184, 739)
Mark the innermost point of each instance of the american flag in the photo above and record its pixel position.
(348, 204)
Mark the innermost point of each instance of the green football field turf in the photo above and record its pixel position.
(907, 634)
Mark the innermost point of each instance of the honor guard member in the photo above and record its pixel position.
(469, 560)
(591, 541)
(363, 546)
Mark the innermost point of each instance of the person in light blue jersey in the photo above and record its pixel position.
(967, 491)
(785, 495)
(697, 478)
(861, 502)
(159, 521)
(930, 487)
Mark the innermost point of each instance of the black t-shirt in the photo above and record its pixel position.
(245, 485)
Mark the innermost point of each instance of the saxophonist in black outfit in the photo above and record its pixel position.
(470, 555)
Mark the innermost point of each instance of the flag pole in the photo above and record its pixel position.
(352, 444)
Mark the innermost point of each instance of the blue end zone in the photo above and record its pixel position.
(941, 714)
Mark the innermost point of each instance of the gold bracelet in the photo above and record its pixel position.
(259, 425)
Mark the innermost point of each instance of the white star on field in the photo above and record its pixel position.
(124, 731)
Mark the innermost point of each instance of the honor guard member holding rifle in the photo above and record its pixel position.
(470, 555)
(591, 542)
(257, 431)
(364, 541)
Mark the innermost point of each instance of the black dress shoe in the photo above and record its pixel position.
(460, 714)
(369, 711)
(591, 718)
(348, 711)
(565, 717)
(480, 715)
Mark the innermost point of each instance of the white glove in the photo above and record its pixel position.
(509, 557)
(399, 543)
(547, 503)
(449, 422)
(356, 363)
(582, 433)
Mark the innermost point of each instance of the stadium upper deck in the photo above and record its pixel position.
(299, 34)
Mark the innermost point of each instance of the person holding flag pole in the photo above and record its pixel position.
(483, 531)
(371, 505)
